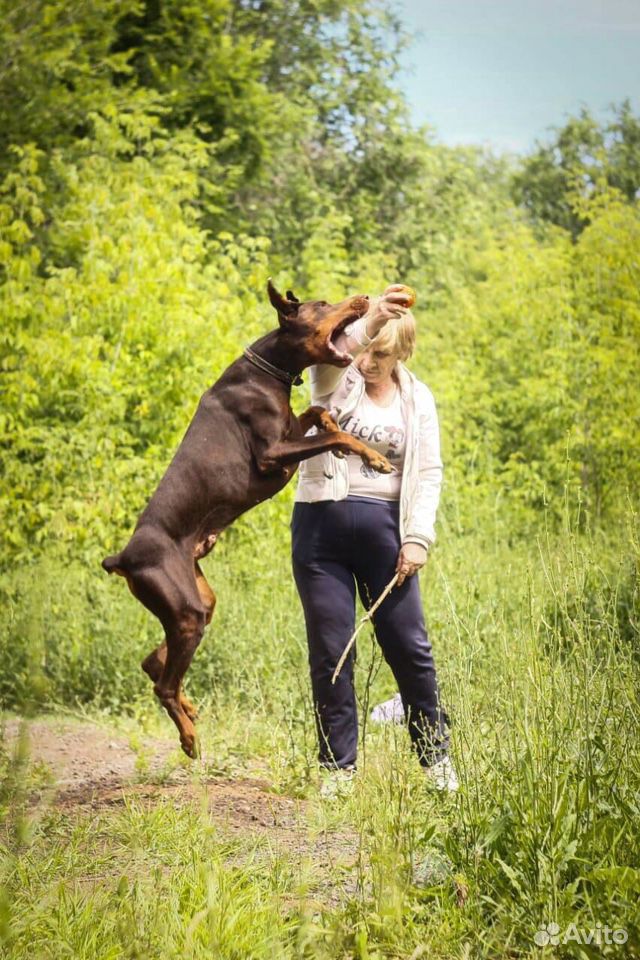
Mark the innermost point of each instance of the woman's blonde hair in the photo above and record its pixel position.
(398, 336)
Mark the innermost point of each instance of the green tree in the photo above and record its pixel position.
(606, 364)
(580, 156)
(111, 334)
(56, 65)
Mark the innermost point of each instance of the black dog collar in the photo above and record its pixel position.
(289, 378)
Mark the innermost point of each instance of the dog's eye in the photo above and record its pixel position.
(322, 303)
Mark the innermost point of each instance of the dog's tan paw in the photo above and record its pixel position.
(377, 462)
(190, 745)
(327, 423)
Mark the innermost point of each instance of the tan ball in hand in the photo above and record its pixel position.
(410, 293)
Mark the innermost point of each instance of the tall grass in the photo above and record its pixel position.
(537, 647)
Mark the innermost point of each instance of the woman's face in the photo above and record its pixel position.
(376, 365)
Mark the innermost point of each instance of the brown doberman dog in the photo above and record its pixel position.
(242, 446)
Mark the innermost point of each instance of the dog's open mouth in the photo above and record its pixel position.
(341, 357)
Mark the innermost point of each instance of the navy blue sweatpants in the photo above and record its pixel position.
(338, 545)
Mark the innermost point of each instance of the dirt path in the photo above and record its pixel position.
(89, 767)
(85, 756)
(81, 767)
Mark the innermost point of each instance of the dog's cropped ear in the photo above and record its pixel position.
(291, 296)
(284, 306)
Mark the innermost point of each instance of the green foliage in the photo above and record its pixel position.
(114, 330)
(539, 674)
(582, 157)
(160, 159)
(537, 365)
(607, 362)
(57, 65)
(194, 152)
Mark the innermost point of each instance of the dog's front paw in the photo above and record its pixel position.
(327, 423)
(377, 462)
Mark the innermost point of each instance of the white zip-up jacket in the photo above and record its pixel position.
(325, 477)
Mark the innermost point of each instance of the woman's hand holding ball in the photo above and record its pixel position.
(400, 294)
(396, 298)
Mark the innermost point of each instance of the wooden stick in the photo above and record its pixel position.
(368, 615)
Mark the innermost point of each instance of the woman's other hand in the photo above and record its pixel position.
(412, 556)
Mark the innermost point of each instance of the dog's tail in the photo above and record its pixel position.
(112, 564)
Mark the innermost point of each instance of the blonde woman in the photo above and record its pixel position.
(353, 528)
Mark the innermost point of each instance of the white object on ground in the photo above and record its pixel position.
(391, 711)
(443, 775)
(337, 783)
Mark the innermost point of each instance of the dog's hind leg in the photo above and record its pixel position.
(207, 595)
(183, 636)
(170, 592)
(154, 664)
(208, 598)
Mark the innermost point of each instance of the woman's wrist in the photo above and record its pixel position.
(374, 319)
(416, 538)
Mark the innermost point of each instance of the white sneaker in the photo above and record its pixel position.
(391, 711)
(443, 775)
(336, 783)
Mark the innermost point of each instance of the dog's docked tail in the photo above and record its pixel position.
(112, 564)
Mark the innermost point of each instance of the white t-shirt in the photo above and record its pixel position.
(383, 429)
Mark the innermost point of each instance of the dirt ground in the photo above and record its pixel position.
(89, 767)
(83, 767)
(85, 757)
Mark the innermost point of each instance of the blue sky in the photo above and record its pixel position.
(501, 72)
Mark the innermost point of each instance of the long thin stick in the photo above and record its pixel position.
(368, 615)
